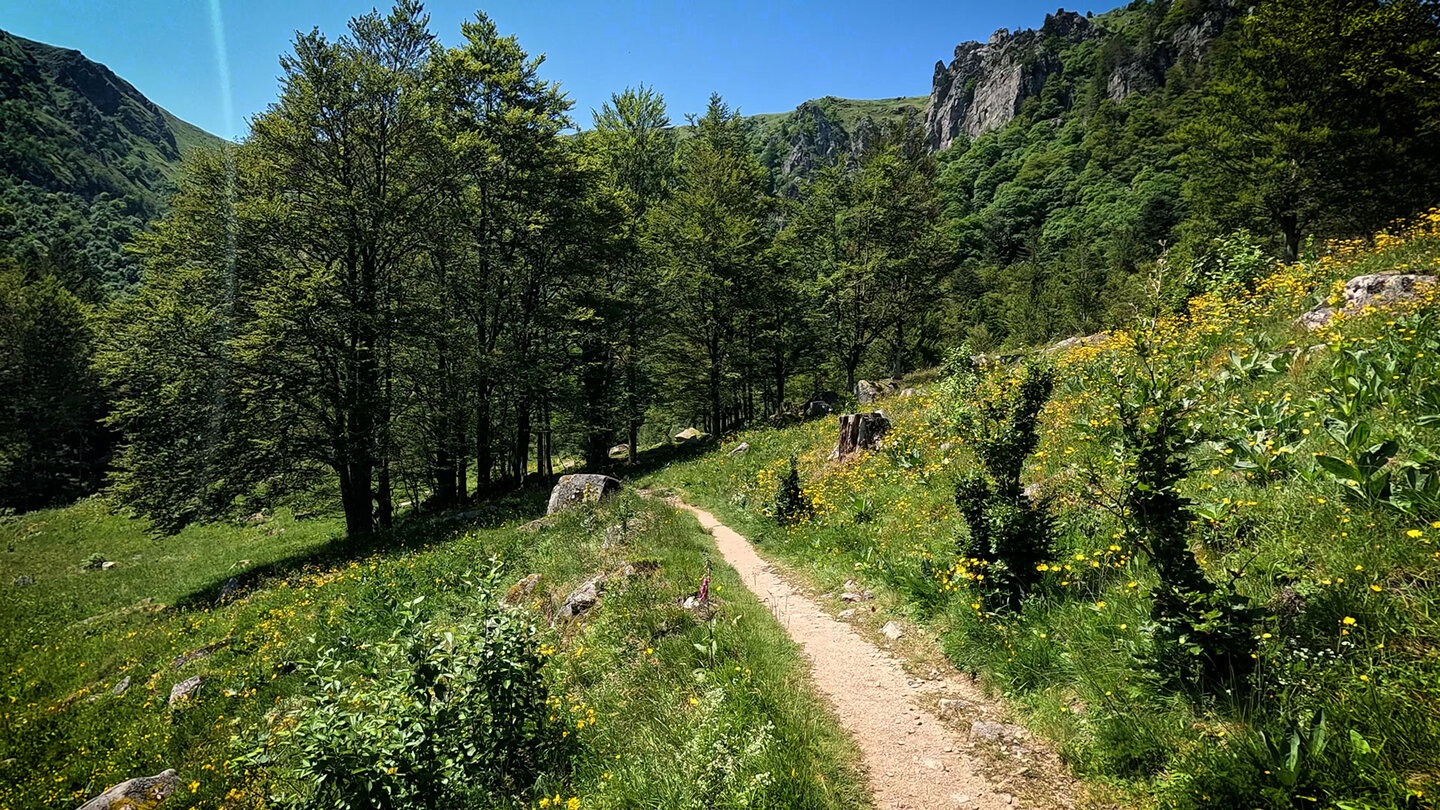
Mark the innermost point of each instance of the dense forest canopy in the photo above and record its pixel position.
(413, 282)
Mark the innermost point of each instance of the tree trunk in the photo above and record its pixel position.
(384, 500)
(522, 442)
(483, 459)
(634, 440)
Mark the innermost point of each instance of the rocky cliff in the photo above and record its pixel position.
(985, 86)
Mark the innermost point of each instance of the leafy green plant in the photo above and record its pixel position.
(1365, 470)
(1204, 636)
(434, 715)
(791, 502)
(1009, 533)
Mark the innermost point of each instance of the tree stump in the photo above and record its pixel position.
(859, 431)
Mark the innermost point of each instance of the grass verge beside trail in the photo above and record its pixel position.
(667, 707)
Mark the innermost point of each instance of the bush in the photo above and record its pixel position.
(791, 502)
(1009, 534)
(440, 715)
(1204, 633)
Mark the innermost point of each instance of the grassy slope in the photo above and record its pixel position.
(71, 636)
(1068, 661)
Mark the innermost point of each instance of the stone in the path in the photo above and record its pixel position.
(185, 690)
(892, 631)
(1378, 290)
(521, 590)
(571, 490)
(997, 732)
(140, 793)
(859, 431)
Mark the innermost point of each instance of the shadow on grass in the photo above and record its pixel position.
(659, 457)
(413, 530)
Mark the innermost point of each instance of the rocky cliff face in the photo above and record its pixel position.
(985, 85)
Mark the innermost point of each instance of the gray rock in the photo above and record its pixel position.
(1097, 339)
(892, 631)
(227, 593)
(571, 490)
(620, 451)
(1379, 290)
(952, 706)
(614, 536)
(689, 436)
(185, 690)
(739, 449)
(581, 599)
(199, 653)
(107, 565)
(846, 614)
(867, 392)
(22, 581)
(816, 408)
(522, 590)
(997, 732)
(119, 688)
(909, 392)
(140, 793)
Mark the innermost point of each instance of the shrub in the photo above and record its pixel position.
(440, 715)
(791, 502)
(1009, 534)
(1204, 633)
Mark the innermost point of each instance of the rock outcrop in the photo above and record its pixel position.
(985, 85)
(572, 490)
(1379, 290)
(140, 793)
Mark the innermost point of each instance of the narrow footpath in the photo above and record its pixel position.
(913, 759)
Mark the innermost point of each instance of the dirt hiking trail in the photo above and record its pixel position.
(914, 759)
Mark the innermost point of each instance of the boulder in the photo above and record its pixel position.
(140, 793)
(620, 451)
(867, 392)
(1097, 339)
(521, 590)
(997, 732)
(121, 686)
(738, 449)
(1379, 290)
(582, 488)
(582, 598)
(185, 690)
(230, 591)
(689, 436)
(817, 408)
(859, 431)
(893, 631)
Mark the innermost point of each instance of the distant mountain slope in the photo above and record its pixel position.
(85, 160)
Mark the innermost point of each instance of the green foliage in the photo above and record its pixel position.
(1009, 532)
(791, 502)
(441, 712)
(1204, 633)
(52, 449)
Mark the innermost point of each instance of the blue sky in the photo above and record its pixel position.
(762, 56)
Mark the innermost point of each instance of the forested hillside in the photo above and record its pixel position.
(85, 162)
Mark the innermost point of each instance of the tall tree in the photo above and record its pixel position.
(709, 240)
(635, 148)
